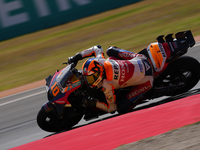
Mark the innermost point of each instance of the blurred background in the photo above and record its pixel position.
(37, 36)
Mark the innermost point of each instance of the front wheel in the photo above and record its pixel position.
(183, 73)
(50, 122)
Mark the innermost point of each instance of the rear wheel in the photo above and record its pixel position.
(50, 122)
(184, 73)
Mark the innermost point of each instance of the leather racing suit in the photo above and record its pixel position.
(122, 69)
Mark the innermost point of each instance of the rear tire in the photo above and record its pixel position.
(186, 67)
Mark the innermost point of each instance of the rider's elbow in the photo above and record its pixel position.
(109, 52)
(113, 108)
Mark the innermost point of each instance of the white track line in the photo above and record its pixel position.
(22, 92)
(19, 99)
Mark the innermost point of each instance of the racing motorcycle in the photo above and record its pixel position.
(66, 88)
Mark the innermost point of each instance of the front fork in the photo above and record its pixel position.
(57, 108)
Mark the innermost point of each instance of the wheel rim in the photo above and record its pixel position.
(53, 120)
(181, 77)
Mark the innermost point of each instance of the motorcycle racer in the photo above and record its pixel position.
(106, 84)
(122, 69)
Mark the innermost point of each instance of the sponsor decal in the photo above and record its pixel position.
(116, 69)
(171, 46)
(125, 55)
(162, 50)
(59, 86)
(175, 44)
(147, 67)
(60, 102)
(128, 55)
(140, 66)
(139, 55)
(166, 47)
(116, 72)
(125, 74)
(73, 85)
(150, 61)
(183, 41)
(139, 91)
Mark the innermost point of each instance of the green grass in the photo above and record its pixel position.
(32, 57)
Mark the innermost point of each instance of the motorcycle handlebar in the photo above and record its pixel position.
(73, 69)
(73, 65)
(76, 73)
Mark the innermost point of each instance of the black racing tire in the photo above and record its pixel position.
(48, 121)
(189, 68)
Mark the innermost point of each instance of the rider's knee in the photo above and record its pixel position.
(124, 105)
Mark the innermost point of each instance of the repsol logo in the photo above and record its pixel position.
(162, 50)
(116, 72)
(116, 69)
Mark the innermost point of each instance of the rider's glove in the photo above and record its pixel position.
(89, 101)
(75, 59)
(72, 60)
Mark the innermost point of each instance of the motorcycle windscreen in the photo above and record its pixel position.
(66, 80)
(63, 84)
(64, 76)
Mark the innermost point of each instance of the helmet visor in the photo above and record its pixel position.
(92, 78)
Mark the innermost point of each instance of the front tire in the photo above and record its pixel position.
(50, 122)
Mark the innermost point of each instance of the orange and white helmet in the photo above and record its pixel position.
(93, 72)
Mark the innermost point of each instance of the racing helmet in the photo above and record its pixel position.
(92, 72)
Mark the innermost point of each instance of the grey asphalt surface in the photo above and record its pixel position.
(18, 114)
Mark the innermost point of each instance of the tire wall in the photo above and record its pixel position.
(18, 17)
